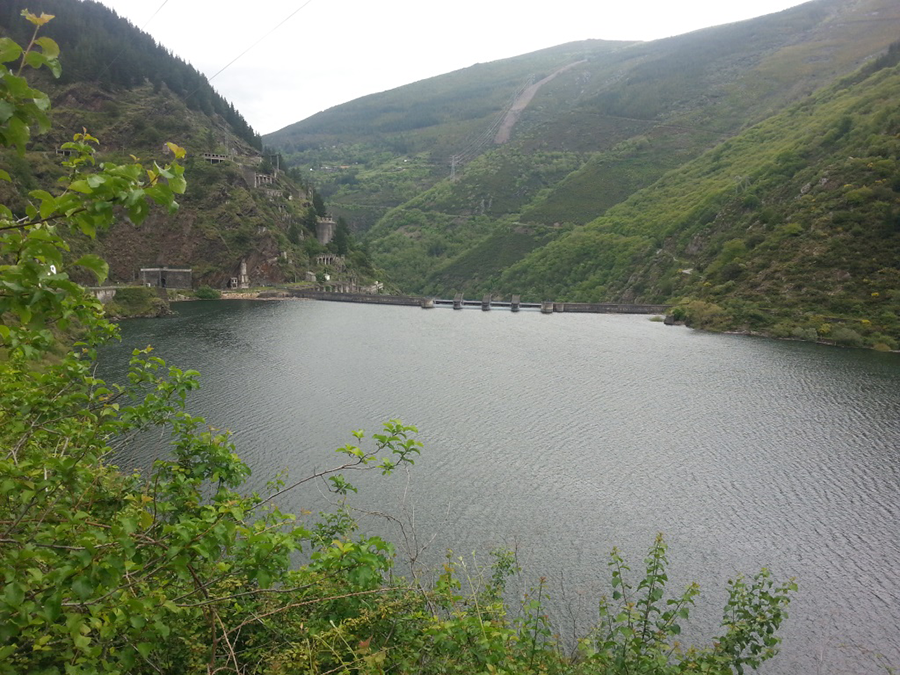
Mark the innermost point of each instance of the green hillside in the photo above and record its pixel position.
(446, 212)
(378, 151)
(792, 227)
(134, 96)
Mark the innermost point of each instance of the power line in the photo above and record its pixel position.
(152, 16)
(227, 65)
(283, 21)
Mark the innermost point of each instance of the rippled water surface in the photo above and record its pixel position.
(565, 435)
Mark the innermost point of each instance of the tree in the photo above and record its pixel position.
(319, 204)
(342, 239)
(310, 219)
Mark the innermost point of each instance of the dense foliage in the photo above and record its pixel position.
(789, 228)
(177, 570)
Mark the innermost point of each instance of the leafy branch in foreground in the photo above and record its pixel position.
(638, 631)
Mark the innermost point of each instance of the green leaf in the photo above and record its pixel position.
(18, 134)
(83, 587)
(80, 186)
(7, 110)
(95, 264)
(144, 648)
(178, 185)
(9, 50)
(48, 202)
(36, 59)
(13, 594)
(51, 49)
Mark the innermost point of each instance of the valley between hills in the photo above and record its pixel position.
(746, 177)
(744, 174)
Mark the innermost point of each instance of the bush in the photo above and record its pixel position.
(806, 333)
(846, 337)
(638, 631)
(882, 342)
(136, 301)
(207, 293)
(707, 315)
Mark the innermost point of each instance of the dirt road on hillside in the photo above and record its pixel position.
(512, 115)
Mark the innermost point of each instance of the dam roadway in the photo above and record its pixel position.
(486, 303)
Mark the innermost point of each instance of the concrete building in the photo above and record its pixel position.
(325, 230)
(167, 277)
(242, 280)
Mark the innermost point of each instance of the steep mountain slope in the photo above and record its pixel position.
(789, 227)
(592, 136)
(378, 151)
(134, 96)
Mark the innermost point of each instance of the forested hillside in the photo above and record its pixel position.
(792, 227)
(102, 48)
(134, 96)
(655, 130)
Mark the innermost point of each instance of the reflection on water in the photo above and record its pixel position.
(565, 435)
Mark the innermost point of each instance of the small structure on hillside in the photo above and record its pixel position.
(242, 280)
(325, 230)
(332, 259)
(167, 277)
(215, 158)
(272, 194)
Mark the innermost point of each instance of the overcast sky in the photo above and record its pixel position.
(322, 53)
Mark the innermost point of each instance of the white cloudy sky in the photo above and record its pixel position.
(333, 51)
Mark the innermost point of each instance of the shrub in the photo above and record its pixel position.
(701, 314)
(638, 630)
(782, 329)
(207, 293)
(806, 333)
(886, 342)
(846, 337)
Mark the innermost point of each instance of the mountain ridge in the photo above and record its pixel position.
(240, 212)
(591, 139)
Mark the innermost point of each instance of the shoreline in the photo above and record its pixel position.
(245, 295)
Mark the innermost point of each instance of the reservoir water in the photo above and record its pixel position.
(562, 436)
